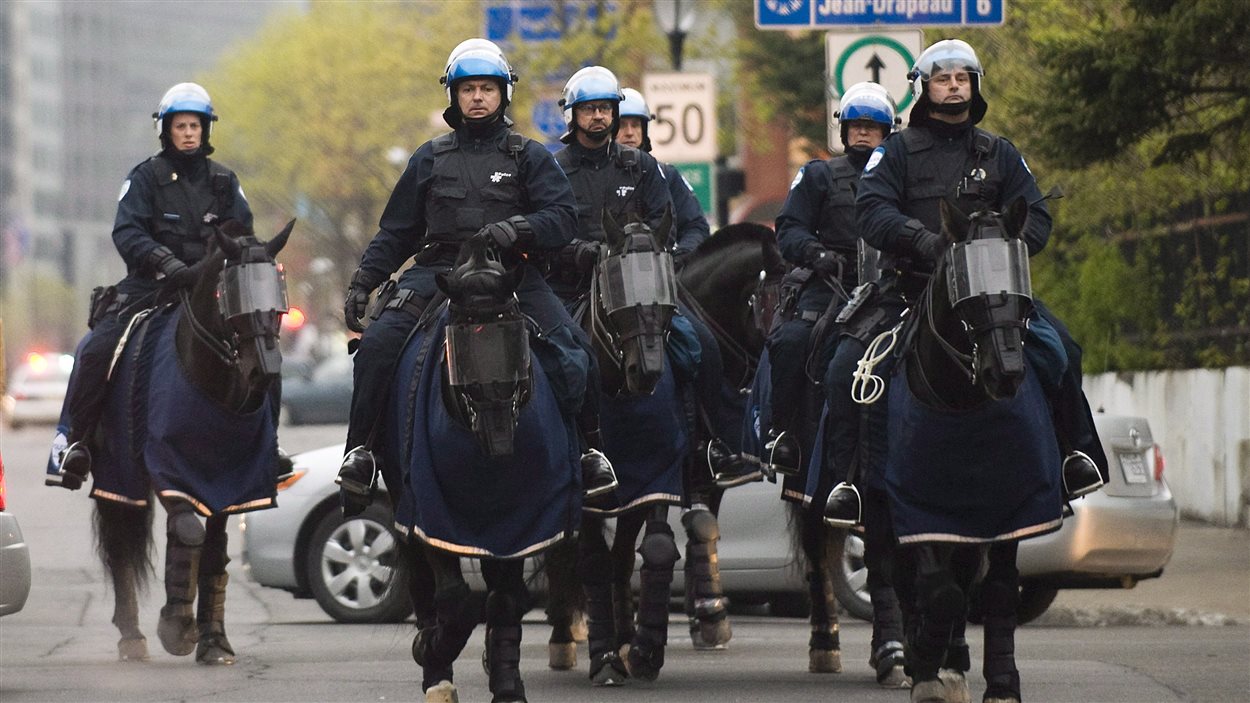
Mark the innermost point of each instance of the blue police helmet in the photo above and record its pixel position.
(866, 101)
(634, 105)
(185, 97)
(477, 58)
(588, 85)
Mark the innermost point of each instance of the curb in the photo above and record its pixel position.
(1122, 616)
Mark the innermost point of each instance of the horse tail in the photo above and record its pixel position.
(795, 527)
(123, 540)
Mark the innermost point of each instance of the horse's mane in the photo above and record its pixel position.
(734, 236)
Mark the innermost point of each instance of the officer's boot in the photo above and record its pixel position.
(887, 638)
(598, 477)
(659, 553)
(503, 648)
(729, 469)
(844, 507)
(784, 452)
(357, 480)
(213, 647)
(184, 541)
(824, 647)
(708, 607)
(593, 568)
(75, 461)
(1080, 475)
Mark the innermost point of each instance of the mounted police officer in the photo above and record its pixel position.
(480, 180)
(165, 216)
(816, 232)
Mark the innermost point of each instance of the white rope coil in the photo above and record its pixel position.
(866, 388)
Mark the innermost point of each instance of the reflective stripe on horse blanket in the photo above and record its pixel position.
(645, 438)
(450, 493)
(985, 475)
(162, 433)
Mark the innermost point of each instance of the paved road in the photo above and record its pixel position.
(62, 647)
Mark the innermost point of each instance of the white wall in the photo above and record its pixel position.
(1201, 420)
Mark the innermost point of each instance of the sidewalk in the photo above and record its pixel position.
(1207, 582)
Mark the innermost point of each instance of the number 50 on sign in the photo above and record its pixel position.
(684, 105)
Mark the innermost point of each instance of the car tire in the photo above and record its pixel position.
(355, 570)
(850, 579)
(1035, 599)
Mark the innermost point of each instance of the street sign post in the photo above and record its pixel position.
(684, 105)
(880, 57)
(828, 14)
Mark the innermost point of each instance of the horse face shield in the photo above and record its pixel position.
(252, 299)
(488, 364)
(639, 294)
(991, 290)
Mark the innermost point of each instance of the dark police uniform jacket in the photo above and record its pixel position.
(912, 171)
(164, 201)
(622, 180)
(456, 184)
(820, 208)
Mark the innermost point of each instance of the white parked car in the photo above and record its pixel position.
(1117, 536)
(37, 389)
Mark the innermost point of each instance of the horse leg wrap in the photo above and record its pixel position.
(659, 554)
(623, 612)
(999, 600)
(887, 657)
(594, 566)
(213, 647)
(824, 647)
(438, 647)
(707, 604)
(564, 601)
(503, 647)
(184, 540)
(941, 604)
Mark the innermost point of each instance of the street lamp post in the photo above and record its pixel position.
(676, 18)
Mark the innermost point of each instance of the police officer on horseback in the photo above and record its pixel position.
(481, 180)
(166, 212)
(943, 154)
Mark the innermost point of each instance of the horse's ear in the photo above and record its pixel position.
(612, 230)
(1017, 213)
(225, 236)
(955, 223)
(664, 233)
(273, 246)
(440, 280)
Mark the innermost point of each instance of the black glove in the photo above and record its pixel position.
(579, 256)
(825, 262)
(680, 258)
(502, 234)
(175, 273)
(357, 303)
(926, 244)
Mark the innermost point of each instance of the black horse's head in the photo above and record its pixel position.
(636, 298)
(229, 334)
(983, 279)
(487, 347)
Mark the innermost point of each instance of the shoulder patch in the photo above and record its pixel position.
(798, 177)
(1025, 164)
(124, 191)
(877, 155)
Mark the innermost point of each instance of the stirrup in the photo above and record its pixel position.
(349, 478)
(785, 454)
(844, 508)
(75, 465)
(597, 463)
(1081, 485)
(729, 469)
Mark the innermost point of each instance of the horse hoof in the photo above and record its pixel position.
(713, 635)
(644, 663)
(824, 661)
(895, 677)
(132, 649)
(442, 692)
(1001, 700)
(956, 685)
(562, 656)
(214, 649)
(579, 630)
(929, 692)
(607, 669)
(177, 633)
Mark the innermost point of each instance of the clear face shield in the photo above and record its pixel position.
(636, 278)
(481, 354)
(988, 266)
(252, 299)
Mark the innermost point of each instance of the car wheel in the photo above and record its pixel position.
(1034, 600)
(355, 569)
(850, 579)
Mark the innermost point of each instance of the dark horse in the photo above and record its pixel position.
(189, 417)
(972, 465)
(478, 464)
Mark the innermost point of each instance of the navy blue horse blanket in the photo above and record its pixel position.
(988, 474)
(162, 434)
(451, 494)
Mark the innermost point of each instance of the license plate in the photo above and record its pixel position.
(1134, 468)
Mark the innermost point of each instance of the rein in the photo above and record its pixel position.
(599, 330)
(226, 352)
(727, 343)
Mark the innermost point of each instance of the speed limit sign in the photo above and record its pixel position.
(684, 105)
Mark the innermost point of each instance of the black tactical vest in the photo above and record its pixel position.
(185, 209)
(471, 189)
(836, 227)
(613, 188)
(965, 170)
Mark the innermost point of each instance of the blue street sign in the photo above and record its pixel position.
(818, 14)
(548, 119)
(536, 20)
